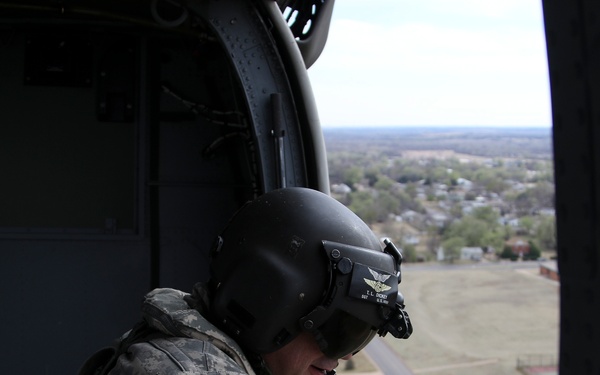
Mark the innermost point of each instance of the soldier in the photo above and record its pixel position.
(297, 282)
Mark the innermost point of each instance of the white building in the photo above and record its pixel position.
(471, 253)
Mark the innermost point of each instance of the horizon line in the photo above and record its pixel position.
(438, 126)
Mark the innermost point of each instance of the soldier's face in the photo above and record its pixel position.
(301, 356)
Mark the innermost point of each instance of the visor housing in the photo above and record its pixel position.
(363, 300)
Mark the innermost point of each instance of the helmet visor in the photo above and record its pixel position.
(343, 334)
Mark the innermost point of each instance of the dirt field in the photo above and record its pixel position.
(477, 321)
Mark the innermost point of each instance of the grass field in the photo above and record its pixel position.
(479, 320)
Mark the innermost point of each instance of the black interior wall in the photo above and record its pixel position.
(107, 191)
(573, 36)
(62, 166)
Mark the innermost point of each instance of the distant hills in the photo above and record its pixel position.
(493, 142)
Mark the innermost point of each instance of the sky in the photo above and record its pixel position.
(434, 63)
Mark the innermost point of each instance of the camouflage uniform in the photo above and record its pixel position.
(177, 339)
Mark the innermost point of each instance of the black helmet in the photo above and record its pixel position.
(297, 260)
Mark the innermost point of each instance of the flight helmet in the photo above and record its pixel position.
(296, 260)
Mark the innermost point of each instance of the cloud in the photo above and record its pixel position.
(415, 67)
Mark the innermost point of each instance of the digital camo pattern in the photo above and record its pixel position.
(175, 355)
(192, 345)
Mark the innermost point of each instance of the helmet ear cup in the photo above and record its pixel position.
(258, 300)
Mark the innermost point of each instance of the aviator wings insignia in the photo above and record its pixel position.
(379, 276)
(379, 283)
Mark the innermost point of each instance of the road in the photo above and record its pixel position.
(385, 358)
(462, 266)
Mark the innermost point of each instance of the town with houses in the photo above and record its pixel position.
(432, 201)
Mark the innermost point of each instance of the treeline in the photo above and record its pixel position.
(528, 143)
